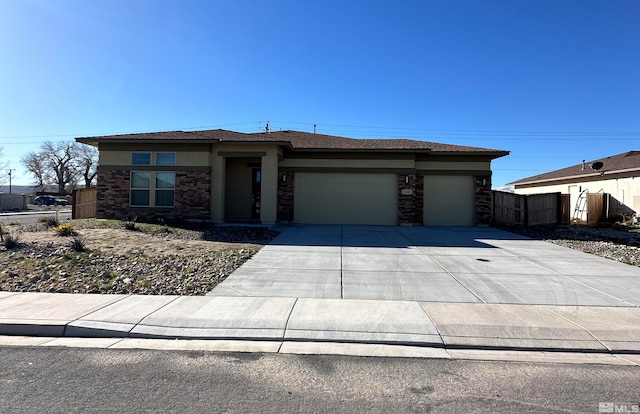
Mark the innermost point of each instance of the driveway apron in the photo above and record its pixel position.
(430, 264)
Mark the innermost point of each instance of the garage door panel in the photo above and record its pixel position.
(449, 200)
(333, 198)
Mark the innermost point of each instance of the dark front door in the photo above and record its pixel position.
(255, 193)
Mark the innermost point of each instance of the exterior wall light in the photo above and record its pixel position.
(284, 178)
(406, 179)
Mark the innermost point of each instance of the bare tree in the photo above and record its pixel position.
(87, 163)
(59, 158)
(36, 164)
(64, 164)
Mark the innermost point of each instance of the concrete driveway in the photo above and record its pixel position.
(430, 264)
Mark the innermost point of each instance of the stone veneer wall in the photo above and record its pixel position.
(192, 197)
(410, 206)
(406, 199)
(113, 194)
(483, 201)
(418, 203)
(286, 197)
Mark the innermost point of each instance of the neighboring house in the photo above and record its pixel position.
(290, 176)
(618, 176)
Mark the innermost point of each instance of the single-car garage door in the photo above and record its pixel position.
(448, 200)
(342, 198)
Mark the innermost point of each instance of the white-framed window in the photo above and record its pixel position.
(140, 188)
(140, 158)
(165, 158)
(153, 188)
(165, 188)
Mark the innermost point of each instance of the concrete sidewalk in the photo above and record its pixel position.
(288, 321)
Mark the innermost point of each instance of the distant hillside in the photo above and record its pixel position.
(17, 189)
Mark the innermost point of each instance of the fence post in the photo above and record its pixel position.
(74, 199)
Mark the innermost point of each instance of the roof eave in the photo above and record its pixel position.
(572, 177)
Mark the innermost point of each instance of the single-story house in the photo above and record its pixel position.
(617, 175)
(291, 176)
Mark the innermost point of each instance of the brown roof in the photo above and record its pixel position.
(296, 140)
(627, 161)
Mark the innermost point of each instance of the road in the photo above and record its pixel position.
(63, 380)
(32, 217)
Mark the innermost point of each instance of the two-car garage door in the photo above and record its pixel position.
(344, 198)
(348, 198)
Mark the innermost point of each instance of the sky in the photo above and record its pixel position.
(552, 81)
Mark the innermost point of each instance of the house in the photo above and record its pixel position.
(291, 176)
(618, 176)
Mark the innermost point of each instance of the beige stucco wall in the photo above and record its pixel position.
(624, 189)
(186, 155)
(345, 163)
(453, 165)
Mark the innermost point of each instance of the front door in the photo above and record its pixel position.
(255, 193)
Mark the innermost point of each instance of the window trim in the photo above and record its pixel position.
(132, 189)
(134, 153)
(164, 189)
(152, 189)
(164, 152)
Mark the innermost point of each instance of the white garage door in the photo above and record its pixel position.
(337, 198)
(448, 200)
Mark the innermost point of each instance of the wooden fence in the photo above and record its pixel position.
(527, 210)
(84, 203)
(596, 208)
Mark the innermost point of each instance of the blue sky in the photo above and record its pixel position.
(554, 82)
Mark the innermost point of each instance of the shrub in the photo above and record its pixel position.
(50, 221)
(10, 240)
(65, 229)
(130, 224)
(78, 244)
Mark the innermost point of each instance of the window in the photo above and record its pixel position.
(165, 158)
(165, 186)
(140, 188)
(140, 158)
(153, 188)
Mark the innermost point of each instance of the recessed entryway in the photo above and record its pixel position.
(242, 200)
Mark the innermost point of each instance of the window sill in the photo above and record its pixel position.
(152, 208)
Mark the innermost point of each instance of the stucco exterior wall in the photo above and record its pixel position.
(186, 155)
(453, 165)
(213, 184)
(623, 189)
(346, 163)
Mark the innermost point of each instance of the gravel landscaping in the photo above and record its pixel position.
(618, 242)
(103, 257)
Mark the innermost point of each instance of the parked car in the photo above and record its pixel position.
(49, 200)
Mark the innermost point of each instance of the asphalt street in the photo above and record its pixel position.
(64, 380)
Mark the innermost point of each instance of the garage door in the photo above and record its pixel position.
(448, 200)
(332, 198)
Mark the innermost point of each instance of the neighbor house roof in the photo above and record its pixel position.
(625, 162)
(296, 140)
